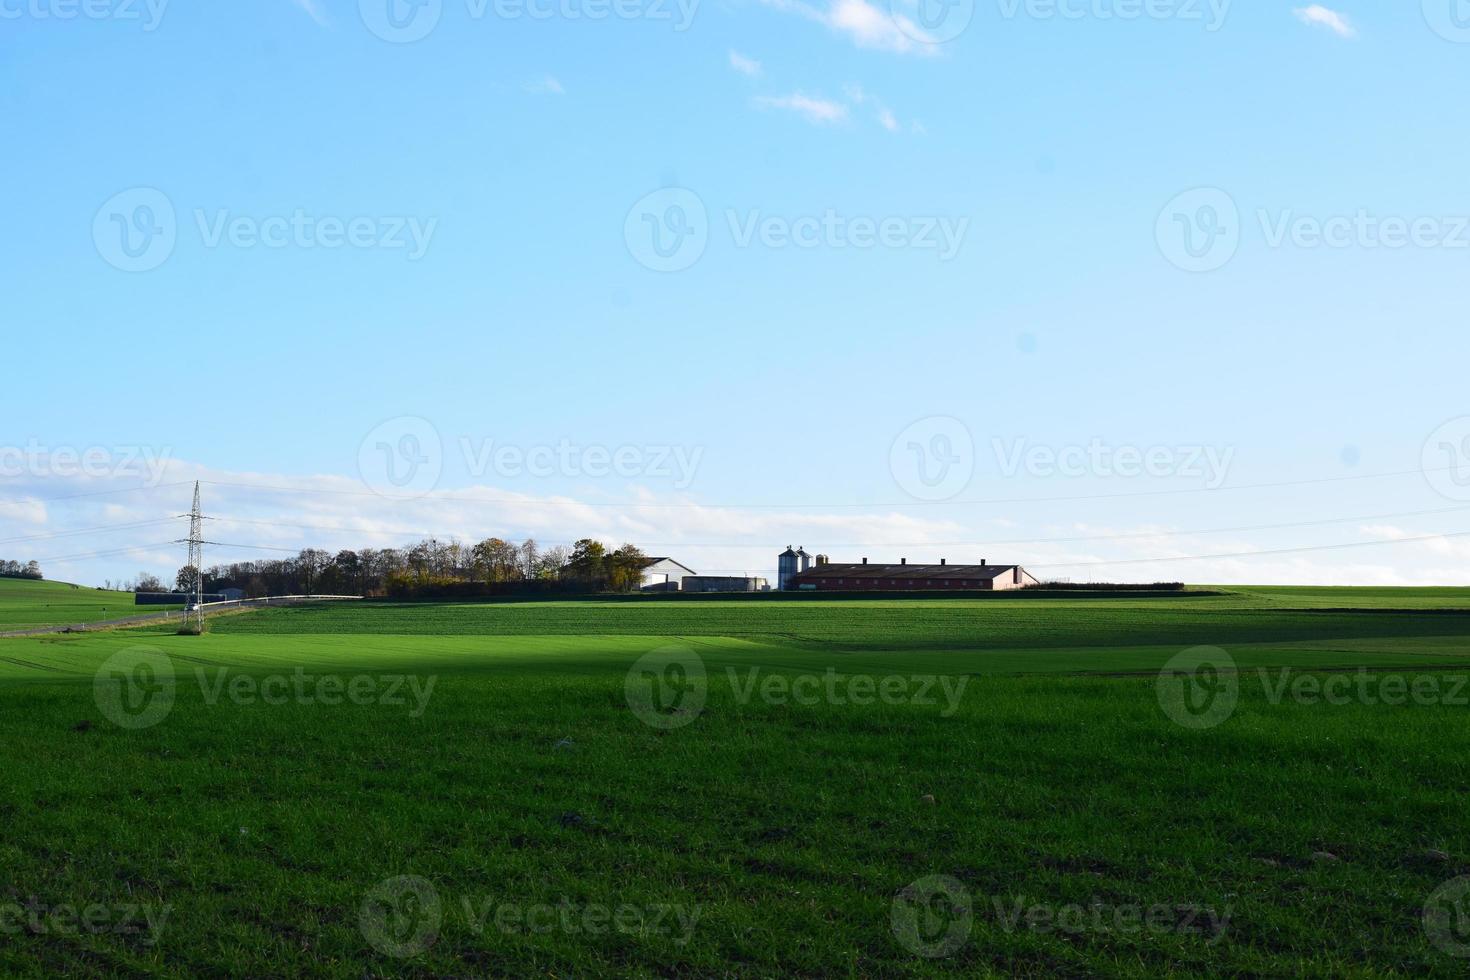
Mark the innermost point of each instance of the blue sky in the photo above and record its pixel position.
(784, 347)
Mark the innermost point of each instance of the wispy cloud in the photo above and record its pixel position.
(745, 66)
(546, 85)
(313, 11)
(866, 25)
(815, 110)
(823, 111)
(1320, 16)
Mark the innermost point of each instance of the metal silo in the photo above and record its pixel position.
(786, 568)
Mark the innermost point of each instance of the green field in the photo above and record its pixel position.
(26, 604)
(502, 796)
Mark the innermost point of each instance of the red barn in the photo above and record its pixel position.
(944, 577)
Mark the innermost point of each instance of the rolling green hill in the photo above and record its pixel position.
(27, 604)
(496, 756)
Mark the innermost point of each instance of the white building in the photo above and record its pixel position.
(664, 575)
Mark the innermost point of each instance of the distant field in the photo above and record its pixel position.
(937, 632)
(25, 604)
(511, 771)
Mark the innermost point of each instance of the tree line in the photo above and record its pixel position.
(15, 569)
(432, 568)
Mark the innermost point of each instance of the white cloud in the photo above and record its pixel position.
(869, 27)
(1320, 16)
(866, 25)
(313, 11)
(546, 85)
(745, 66)
(888, 121)
(260, 519)
(814, 110)
(23, 512)
(336, 512)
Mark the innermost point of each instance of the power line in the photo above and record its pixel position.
(100, 529)
(136, 549)
(103, 493)
(449, 495)
(103, 554)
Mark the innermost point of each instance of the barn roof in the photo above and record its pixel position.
(908, 571)
(650, 562)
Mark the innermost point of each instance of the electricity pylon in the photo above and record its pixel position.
(196, 544)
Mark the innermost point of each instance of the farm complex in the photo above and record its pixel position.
(800, 573)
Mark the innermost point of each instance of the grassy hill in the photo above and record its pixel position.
(497, 758)
(27, 604)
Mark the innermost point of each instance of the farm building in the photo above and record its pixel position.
(725, 583)
(944, 577)
(664, 575)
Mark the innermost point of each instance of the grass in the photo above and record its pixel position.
(785, 833)
(27, 604)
